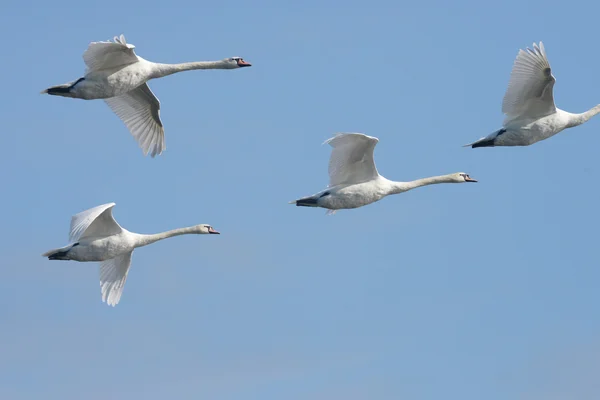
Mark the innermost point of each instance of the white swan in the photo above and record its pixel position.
(117, 75)
(531, 115)
(96, 236)
(354, 180)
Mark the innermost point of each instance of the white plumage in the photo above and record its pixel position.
(113, 274)
(97, 221)
(352, 159)
(531, 114)
(108, 55)
(354, 180)
(139, 109)
(116, 74)
(96, 236)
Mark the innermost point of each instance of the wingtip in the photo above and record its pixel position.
(335, 135)
(108, 300)
(44, 91)
(338, 134)
(330, 139)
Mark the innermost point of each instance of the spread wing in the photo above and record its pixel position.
(113, 274)
(97, 221)
(105, 55)
(351, 159)
(139, 109)
(530, 89)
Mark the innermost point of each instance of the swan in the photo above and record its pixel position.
(354, 180)
(96, 236)
(528, 103)
(116, 74)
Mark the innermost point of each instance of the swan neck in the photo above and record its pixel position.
(399, 187)
(144, 240)
(161, 70)
(578, 119)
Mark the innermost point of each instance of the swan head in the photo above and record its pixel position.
(461, 177)
(235, 62)
(205, 228)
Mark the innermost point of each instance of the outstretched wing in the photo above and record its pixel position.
(105, 55)
(113, 274)
(139, 109)
(530, 89)
(351, 159)
(97, 221)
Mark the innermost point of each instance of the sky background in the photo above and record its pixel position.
(480, 291)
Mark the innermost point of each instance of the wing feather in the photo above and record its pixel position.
(97, 221)
(106, 55)
(530, 89)
(139, 109)
(351, 159)
(113, 274)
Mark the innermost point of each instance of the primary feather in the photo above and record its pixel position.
(116, 74)
(528, 103)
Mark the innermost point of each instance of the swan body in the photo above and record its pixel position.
(531, 114)
(96, 236)
(119, 76)
(354, 180)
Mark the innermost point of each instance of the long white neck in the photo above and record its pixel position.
(160, 70)
(144, 240)
(399, 187)
(578, 119)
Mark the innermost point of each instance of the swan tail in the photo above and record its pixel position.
(483, 142)
(59, 90)
(62, 90)
(488, 141)
(60, 253)
(306, 202)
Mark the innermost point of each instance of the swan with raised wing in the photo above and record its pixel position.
(354, 180)
(528, 103)
(117, 75)
(96, 236)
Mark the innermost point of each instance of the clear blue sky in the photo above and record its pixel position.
(466, 292)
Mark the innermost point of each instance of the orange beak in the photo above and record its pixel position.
(242, 63)
(211, 230)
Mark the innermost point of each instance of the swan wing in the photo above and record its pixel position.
(113, 274)
(139, 109)
(351, 159)
(106, 55)
(530, 89)
(97, 221)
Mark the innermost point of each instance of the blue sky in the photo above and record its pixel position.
(485, 291)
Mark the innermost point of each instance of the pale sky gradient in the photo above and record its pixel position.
(455, 292)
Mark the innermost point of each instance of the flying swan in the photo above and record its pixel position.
(354, 180)
(116, 74)
(96, 236)
(531, 115)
